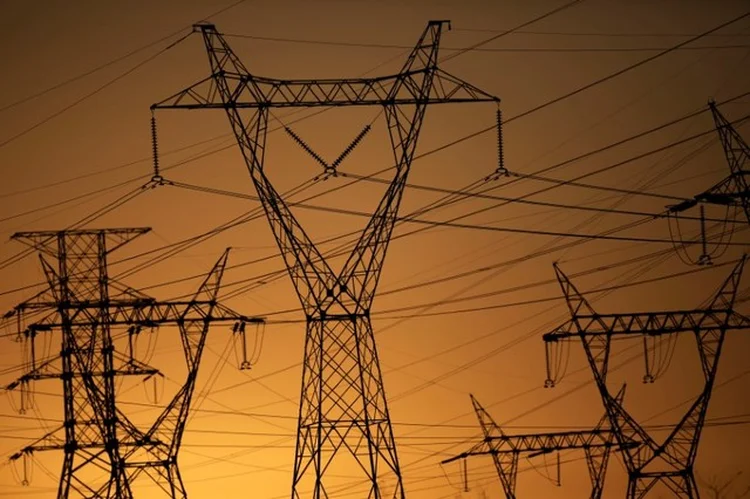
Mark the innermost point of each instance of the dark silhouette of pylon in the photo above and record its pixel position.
(505, 449)
(104, 452)
(734, 188)
(344, 425)
(671, 461)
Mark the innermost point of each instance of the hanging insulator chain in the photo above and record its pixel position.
(705, 258)
(500, 157)
(350, 148)
(501, 171)
(466, 474)
(156, 179)
(239, 328)
(304, 146)
(649, 376)
(549, 382)
(328, 170)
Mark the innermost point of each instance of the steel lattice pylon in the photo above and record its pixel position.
(104, 452)
(505, 449)
(734, 188)
(671, 461)
(344, 425)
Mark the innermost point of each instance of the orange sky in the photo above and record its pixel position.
(440, 337)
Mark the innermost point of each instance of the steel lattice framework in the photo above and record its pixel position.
(505, 449)
(104, 452)
(344, 425)
(733, 189)
(671, 461)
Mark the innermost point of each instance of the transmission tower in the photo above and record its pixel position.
(732, 191)
(104, 452)
(343, 425)
(505, 449)
(671, 461)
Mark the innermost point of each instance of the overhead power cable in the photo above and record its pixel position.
(557, 49)
(89, 94)
(464, 193)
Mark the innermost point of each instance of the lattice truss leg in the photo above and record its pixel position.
(649, 462)
(103, 451)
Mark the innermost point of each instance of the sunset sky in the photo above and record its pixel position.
(468, 286)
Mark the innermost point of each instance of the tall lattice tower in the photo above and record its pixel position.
(104, 452)
(671, 460)
(344, 426)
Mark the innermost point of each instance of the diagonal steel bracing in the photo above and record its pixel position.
(506, 450)
(343, 426)
(670, 461)
(104, 452)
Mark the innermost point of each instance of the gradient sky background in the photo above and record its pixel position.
(450, 317)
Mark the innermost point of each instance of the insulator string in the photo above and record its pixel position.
(155, 147)
(500, 156)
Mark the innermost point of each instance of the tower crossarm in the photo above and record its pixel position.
(245, 90)
(649, 323)
(147, 313)
(254, 92)
(536, 443)
(547, 442)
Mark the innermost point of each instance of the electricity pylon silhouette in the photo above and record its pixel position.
(505, 449)
(104, 452)
(733, 190)
(670, 462)
(343, 425)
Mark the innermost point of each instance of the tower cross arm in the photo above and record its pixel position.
(541, 443)
(148, 313)
(248, 91)
(650, 323)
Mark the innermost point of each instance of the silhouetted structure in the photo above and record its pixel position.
(505, 449)
(344, 426)
(104, 452)
(670, 462)
(732, 191)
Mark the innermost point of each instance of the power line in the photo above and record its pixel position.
(89, 94)
(334, 43)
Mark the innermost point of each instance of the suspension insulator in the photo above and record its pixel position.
(350, 147)
(500, 157)
(549, 382)
(705, 258)
(155, 147)
(306, 147)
